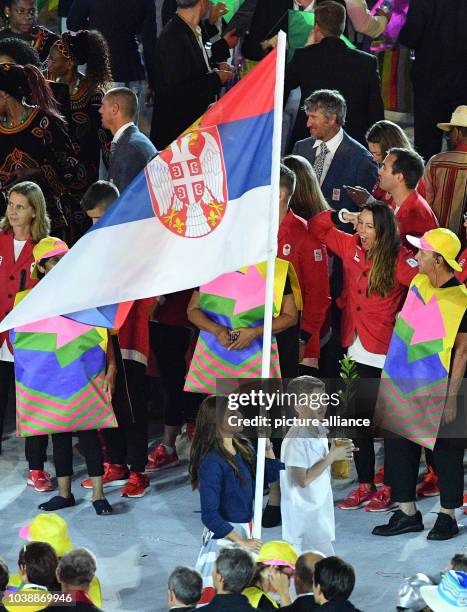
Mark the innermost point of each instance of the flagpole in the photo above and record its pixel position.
(272, 252)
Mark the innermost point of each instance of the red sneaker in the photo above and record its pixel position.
(357, 498)
(160, 459)
(114, 475)
(137, 485)
(379, 476)
(381, 501)
(40, 481)
(429, 487)
(465, 503)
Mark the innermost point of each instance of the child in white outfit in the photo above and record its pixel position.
(307, 506)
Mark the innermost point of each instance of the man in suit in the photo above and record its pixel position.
(233, 571)
(330, 64)
(436, 29)
(184, 589)
(303, 578)
(130, 150)
(338, 159)
(184, 83)
(120, 22)
(75, 572)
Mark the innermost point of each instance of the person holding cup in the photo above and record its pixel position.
(306, 481)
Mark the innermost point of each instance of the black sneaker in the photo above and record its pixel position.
(445, 528)
(271, 516)
(400, 523)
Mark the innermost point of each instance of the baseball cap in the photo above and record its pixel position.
(449, 595)
(442, 241)
(45, 248)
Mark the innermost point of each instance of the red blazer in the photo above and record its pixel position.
(462, 276)
(133, 336)
(372, 317)
(415, 217)
(310, 261)
(14, 275)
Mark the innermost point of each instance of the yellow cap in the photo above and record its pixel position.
(45, 248)
(442, 241)
(49, 528)
(277, 553)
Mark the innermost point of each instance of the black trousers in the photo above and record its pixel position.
(427, 114)
(402, 461)
(90, 447)
(170, 344)
(364, 407)
(128, 443)
(7, 388)
(35, 448)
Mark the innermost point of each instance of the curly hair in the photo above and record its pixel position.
(88, 47)
(20, 51)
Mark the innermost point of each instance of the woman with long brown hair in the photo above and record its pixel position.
(307, 199)
(377, 272)
(222, 467)
(26, 223)
(87, 90)
(34, 144)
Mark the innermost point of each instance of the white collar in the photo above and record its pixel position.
(305, 595)
(120, 131)
(308, 9)
(333, 143)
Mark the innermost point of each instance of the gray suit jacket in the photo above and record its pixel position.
(351, 165)
(132, 152)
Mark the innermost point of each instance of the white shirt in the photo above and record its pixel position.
(119, 132)
(307, 512)
(307, 9)
(332, 146)
(18, 247)
(359, 354)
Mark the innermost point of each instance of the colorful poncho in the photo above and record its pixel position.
(237, 300)
(60, 377)
(415, 377)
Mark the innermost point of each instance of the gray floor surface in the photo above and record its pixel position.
(146, 538)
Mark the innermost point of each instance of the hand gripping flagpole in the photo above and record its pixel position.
(273, 228)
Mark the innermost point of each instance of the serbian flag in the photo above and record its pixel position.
(207, 205)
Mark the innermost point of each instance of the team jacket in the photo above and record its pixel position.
(309, 258)
(14, 276)
(371, 316)
(133, 336)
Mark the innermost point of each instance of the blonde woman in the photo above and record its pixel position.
(25, 223)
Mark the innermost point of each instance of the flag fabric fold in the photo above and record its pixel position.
(198, 210)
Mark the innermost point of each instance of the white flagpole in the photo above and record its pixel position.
(272, 252)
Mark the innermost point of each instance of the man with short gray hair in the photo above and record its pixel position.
(184, 589)
(338, 159)
(233, 571)
(75, 572)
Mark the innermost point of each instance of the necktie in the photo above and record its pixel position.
(319, 160)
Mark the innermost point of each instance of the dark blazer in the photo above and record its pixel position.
(186, 608)
(332, 65)
(302, 604)
(229, 603)
(269, 17)
(436, 30)
(184, 85)
(338, 605)
(120, 21)
(132, 152)
(351, 165)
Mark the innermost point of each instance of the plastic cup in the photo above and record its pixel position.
(340, 470)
